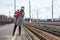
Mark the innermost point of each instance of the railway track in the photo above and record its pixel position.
(49, 29)
(42, 34)
(32, 36)
(48, 25)
(27, 36)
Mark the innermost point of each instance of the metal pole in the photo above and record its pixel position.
(14, 6)
(52, 10)
(9, 16)
(37, 16)
(30, 11)
(9, 13)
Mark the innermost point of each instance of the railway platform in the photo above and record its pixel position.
(6, 33)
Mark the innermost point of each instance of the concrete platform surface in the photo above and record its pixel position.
(6, 33)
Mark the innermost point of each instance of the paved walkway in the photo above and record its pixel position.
(6, 33)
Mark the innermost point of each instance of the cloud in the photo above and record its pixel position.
(45, 7)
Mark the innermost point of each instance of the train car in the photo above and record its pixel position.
(49, 20)
(56, 20)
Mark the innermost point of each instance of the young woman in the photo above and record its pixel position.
(19, 20)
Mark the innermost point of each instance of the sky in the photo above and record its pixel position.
(44, 7)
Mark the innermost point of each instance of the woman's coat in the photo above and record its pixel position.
(19, 20)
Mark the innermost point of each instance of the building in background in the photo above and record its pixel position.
(5, 18)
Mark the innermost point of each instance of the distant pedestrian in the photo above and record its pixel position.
(19, 15)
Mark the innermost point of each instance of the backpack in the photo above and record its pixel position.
(16, 14)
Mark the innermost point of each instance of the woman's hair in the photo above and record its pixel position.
(22, 7)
